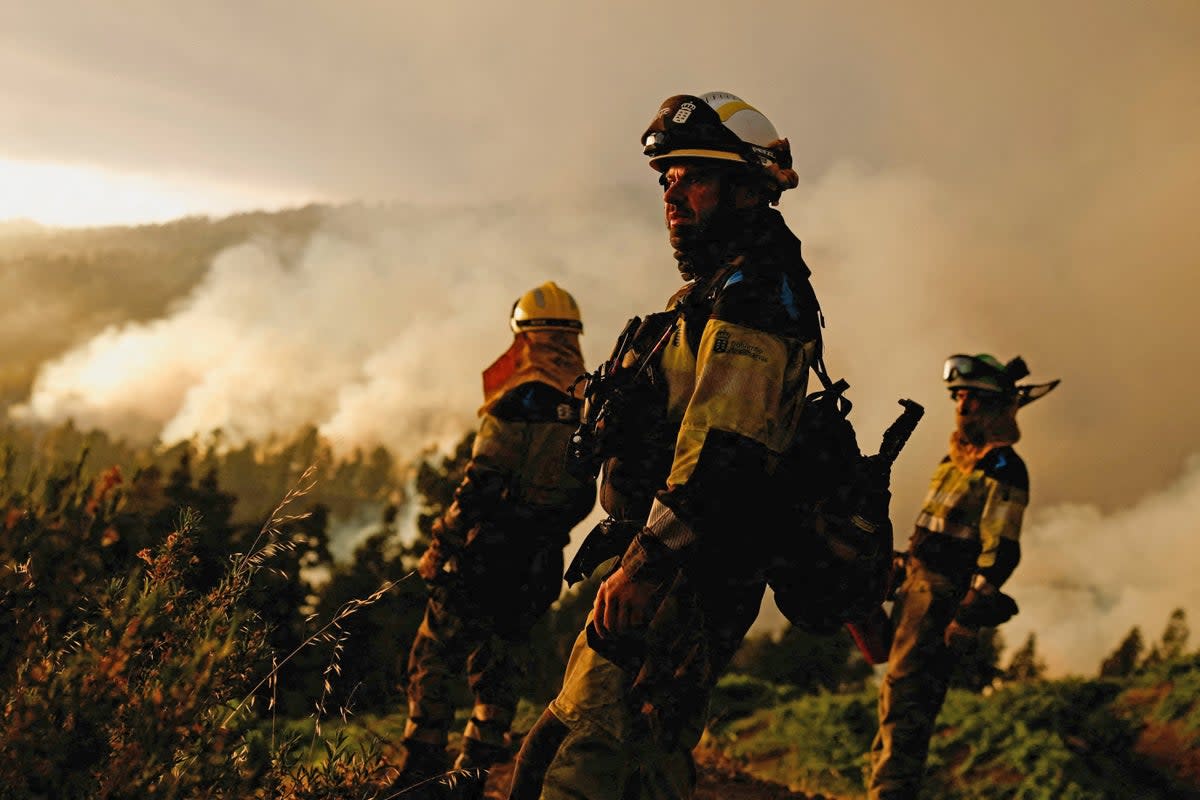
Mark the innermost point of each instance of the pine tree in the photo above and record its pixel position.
(979, 665)
(1124, 660)
(1025, 664)
(1175, 636)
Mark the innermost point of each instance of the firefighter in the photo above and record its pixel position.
(719, 382)
(965, 546)
(495, 562)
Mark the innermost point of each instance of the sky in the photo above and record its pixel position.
(1013, 178)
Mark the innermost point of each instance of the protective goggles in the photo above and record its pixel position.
(969, 368)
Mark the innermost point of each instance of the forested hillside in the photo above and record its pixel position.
(231, 618)
(155, 646)
(62, 286)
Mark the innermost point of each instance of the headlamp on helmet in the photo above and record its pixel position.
(718, 126)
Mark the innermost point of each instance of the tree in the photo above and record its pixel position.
(1174, 640)
(808, 661)
(978, 666)
(1175, 636)
(1124, 660)
(1025, 664)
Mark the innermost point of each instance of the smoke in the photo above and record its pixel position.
(376, 333)
(1087, 577)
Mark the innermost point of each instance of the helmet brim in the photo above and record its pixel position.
(661, 162)
(535, 324)
(1029, 392)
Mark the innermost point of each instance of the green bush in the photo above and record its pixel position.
(814, 743)
(144, 685)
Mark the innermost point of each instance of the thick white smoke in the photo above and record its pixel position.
(1088, 577)
(376, 333)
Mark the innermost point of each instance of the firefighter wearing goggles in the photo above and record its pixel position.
(964, 547)
(728, 368)
(495, 562)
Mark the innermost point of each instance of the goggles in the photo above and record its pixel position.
(969, 368)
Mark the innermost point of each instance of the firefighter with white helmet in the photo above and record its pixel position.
(965, 545)
(495, 562)
(710, 395)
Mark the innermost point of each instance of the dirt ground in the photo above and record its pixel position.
(717, 779)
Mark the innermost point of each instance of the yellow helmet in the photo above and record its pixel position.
(546, 308)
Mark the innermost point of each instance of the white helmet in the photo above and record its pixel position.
(546, 308)
(718, 126)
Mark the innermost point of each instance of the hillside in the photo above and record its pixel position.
(65, 285)
(1099, 739)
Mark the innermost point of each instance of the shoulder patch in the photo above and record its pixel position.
(1004, 465)
(537, 402)
(777, 301)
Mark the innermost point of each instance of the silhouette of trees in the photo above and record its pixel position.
(979, 665)
(808, 661)
(1173, 643)
(1026, 664)
(1124, 660)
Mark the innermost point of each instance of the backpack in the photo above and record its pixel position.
(835, 570)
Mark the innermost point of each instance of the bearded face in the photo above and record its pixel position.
(984, 417)
(691, 201)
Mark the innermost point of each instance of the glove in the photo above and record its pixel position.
(432, 562)
(434, 559)
(959, 637)
(985, 606)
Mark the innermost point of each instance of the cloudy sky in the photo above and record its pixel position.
(1017, 178)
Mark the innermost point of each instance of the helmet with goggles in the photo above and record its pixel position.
(546, 308)
(718, 126)
(983, 372)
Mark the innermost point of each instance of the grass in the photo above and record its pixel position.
(1043, 740)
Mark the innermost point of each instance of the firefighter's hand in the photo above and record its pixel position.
(960, 638)
(432, 561)
(623, 604)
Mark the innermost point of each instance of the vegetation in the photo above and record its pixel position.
(1136, 734)
(158, 642)
(154, 646)
(144, 684)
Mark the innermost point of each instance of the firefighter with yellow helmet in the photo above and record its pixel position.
(965, 545)
(496, 559)
(710, 392)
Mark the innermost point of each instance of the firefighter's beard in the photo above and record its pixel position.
(697, 243)
(976, 434)
(989, 426)
(690, 237)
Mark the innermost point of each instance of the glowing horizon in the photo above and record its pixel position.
(76, 196)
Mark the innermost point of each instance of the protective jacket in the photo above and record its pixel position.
(723, 404)
(971, 521)
(967, 530)
(735, 372)
(503, 537)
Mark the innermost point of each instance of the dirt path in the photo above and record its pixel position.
(718, 778)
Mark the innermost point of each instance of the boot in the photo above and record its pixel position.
(421, 762)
